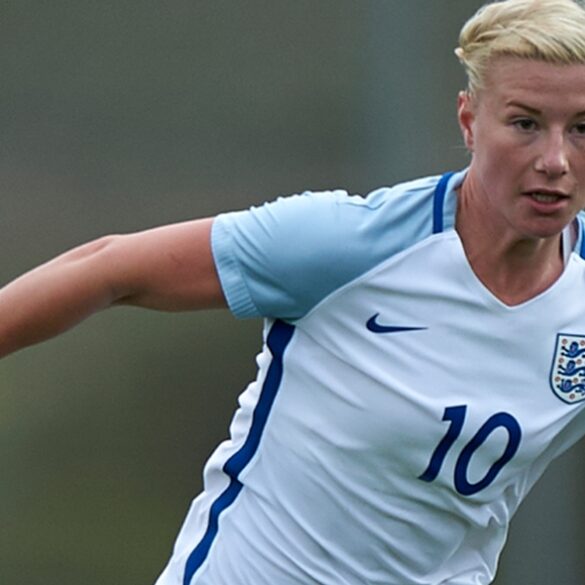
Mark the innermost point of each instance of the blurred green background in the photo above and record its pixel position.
(118, 116)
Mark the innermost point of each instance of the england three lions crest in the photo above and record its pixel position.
(567, 376)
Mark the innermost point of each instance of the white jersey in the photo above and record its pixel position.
(401, 411)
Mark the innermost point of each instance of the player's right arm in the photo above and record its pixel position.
(170, 268)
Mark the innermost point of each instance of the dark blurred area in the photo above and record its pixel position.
(119, 116)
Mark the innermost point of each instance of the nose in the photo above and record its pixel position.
(553, 158)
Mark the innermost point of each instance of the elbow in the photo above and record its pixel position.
(98, 263)
(91, 249)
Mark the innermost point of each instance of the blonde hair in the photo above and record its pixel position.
(544, 30)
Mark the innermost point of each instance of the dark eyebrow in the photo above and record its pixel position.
(535, 111)
(522, 106)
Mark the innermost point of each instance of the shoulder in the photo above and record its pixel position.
(299, 248)
(316, 215)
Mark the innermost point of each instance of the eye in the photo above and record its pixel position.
(579, 128)
(524, 124)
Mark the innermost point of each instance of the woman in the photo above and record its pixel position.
(423, 345)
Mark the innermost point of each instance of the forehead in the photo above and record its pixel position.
(535, 83)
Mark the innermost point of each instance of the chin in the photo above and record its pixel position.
(543, 232)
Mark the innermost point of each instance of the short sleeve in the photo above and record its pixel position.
(280, 259)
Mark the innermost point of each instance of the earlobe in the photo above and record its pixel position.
(466, 116)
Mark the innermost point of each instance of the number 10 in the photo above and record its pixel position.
(456, 415)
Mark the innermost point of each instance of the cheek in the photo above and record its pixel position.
(581, 195)
(492, 161)
(500, 171)
(579, 165)
(498, 153)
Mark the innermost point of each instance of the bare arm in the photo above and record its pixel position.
(168, 268)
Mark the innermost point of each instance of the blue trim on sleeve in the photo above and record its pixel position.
(278, 339)
(438, 202)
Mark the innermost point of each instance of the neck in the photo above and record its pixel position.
(513, 268)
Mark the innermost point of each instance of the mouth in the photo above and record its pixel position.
(547, 197)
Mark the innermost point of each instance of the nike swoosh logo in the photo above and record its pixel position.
(373, 325)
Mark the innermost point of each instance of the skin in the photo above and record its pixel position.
(526, 133)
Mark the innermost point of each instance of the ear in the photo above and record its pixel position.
(466, 116)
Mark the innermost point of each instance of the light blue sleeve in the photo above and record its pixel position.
(280, 259)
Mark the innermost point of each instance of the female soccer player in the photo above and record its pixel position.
(424, 355)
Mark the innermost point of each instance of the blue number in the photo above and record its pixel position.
(456, 414)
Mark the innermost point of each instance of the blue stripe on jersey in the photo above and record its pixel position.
(278, 339)
(581, 236)
(438, 201)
